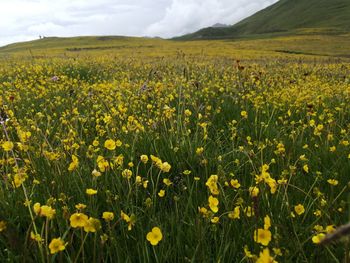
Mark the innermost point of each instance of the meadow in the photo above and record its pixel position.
(129, 150)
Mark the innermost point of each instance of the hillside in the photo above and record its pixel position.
(286, 17)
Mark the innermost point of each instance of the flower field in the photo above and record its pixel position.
(173, 159)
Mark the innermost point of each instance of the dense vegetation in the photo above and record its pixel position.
(129, 154)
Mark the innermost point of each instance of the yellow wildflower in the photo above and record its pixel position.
(126, 173)
(78, 220)
(130, 220)
(316, 239)
(265, 257)
(299, 209)
(262, 236)
(167, 182)
(91, 191)
(96, 173)
(306, 168)
(161, 193)
(155, 236)
(254, 191)
(7, 146)
(244, 114)
(212, 184)
(165, 167)
(92, 225)
(144, 158)
(267, 222)
(56, 245)
(74, 164)
(47, 211)
(235, 184)
(108, 216)
(333, 182)
(213, 204)
(235, 214)
(215, 220)
(110, 144)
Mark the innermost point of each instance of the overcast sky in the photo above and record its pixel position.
(22, 20)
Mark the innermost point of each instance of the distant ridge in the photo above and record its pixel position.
(286, 17)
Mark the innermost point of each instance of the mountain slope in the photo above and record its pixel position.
(286, 17)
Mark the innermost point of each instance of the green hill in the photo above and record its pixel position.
(287, 17)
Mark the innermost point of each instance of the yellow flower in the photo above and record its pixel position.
(235, 214)
(102, 163)
(212, 184)
(36, 208)
(333, 182)
(96, 173)
(7, 146)
(74, 164)
(161, 193)
(167, 182)
(157, 161)
(188, 113)
(118, 143)
(19, 179)
(244, 114)
(265, 257)
(267, 222)
(144, 158)
(186, 172)
(317, 213)
(213, 204)
(155, 236)
(78, 220)
(56, 245)
(2, 226)
(92, 225)
(316, 239)
(254, 191)
(332, 149)
(95, 143)
(262, 236)
(235, 184)
(330, 228)
(199, 150)
(108, 216)
(306, 168)
(90, 191)
(127, 173)
(299, 209)
(110, 144)
(128, 219)
(203, 211)
(47, 211)
(36, 237)
(165, 167)
(247, 252)
(80, 206)
(215, 220)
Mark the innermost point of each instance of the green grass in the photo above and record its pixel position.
(196, 96)
(294, 47)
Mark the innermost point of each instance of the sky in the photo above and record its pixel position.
(23, 20)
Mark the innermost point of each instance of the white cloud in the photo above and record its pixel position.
(22, 20)
(184, 16)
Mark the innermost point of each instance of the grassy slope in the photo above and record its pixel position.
(286, 46)
(287, 17)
